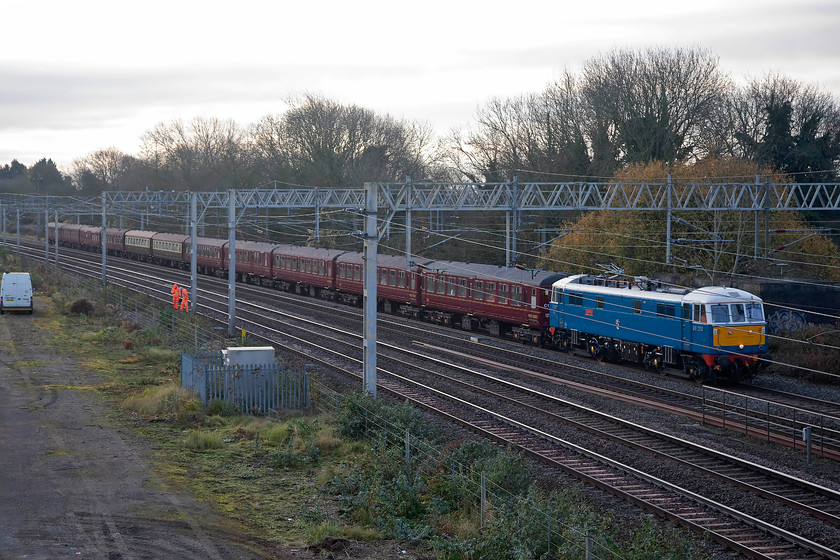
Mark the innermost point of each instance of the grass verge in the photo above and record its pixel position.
(299, 479)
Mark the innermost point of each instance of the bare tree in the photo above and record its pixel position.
(778, 121)
(653, 105)
(533, 136)
(204, 154)
(324, 143)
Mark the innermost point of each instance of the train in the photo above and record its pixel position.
(712, 333)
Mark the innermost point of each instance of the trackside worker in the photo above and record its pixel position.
(176, 295)
(185, 300)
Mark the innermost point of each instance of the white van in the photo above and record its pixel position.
(16, 292)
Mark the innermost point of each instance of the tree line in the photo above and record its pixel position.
(625, 115)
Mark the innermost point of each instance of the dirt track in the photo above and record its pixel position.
(73, 484)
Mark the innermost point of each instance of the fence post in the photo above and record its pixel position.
(407, 454)
(588, 544)
(768, 421)
(483, 497)
(746, 418)
(548, 532)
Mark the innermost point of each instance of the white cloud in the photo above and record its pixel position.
(85, 75)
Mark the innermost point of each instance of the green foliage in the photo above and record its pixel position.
(435, 498)
(361, 413)
(200, 441)
(815, 347)
(167, 401)
(220, 407)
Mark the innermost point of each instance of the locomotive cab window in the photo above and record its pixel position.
(755, 312)
(720, 313)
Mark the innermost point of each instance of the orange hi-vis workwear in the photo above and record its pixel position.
(185, 300)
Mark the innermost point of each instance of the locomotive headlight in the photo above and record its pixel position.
(741, 346)
(730, 331)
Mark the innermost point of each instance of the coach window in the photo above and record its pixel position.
(357, 272)
(637, 307)
(462, 287)
(401, 279)
(491, 292)
(516, 297)
(450, 286)
(503, 293)
(478, 290)
(575, 299)
(341, 271)
(599, 302)
(441, 285)
(392, 277)
(383, 276)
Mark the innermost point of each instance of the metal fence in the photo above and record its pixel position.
(254, 389)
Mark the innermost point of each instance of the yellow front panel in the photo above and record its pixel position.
(748, 335)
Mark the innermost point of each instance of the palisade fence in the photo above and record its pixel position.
(255, 389)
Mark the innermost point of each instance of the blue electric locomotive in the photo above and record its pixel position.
(710, 332)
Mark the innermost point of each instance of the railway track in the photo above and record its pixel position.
(738, 530)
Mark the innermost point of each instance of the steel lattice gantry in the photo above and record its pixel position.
(507, 196)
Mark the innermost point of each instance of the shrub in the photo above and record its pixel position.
(803, 353)
(200, 441)
(171, 401)
(219, 407)
(81, 306)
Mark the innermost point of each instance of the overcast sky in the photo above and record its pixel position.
(80, 76)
